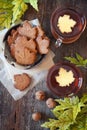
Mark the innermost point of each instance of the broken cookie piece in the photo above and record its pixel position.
(22, 81)
(27, 30)
(43, 44)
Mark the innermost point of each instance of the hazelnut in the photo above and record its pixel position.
(40, 95)
(36, 116)
(50, 103)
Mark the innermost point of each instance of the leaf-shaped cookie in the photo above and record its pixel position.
(65, 78)
(43, 44)
(27, 30)
(65, 23)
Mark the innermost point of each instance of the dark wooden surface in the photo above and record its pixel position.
(16, 115)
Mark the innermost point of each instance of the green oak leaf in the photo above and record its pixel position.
(84, 98)
(70, 114)
(69, 103)
(79, 60)
(81, 123)
(52, 124)
(64, 121)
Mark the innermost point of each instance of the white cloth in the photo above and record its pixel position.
(7, 71)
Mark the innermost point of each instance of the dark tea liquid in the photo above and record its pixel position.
(76, 30)
(66, 90)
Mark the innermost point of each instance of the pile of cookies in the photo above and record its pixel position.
(26, 42)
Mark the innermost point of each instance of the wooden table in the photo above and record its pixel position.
(16, 115)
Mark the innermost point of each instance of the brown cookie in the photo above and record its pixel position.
(12, 49)
(22, 81)
(24, 51)
(11, 38)
(13, 31)
(25, 56)
(43, 44)
(27, 30)
(30, 44)
(40, 32)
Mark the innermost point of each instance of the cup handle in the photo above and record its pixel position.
(58, 42)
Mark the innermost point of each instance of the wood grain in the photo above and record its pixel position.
(16, 115)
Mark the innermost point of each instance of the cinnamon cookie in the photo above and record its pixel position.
(22, 81)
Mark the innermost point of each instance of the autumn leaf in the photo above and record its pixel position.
(33, 3)
(69, 103)
(84, 98)
(18, 9)
(71, 114)
(5, 13)
(78, 61)
(12, 10)
(63, 123)
(81, 120)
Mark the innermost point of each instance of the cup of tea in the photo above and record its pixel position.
(64, 79)
(67, 24)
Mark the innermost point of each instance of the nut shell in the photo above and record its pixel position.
(50, 103)
(36, 116)
(40, 95)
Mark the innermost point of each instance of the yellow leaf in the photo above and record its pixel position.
(5, 14)
(18, 10)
